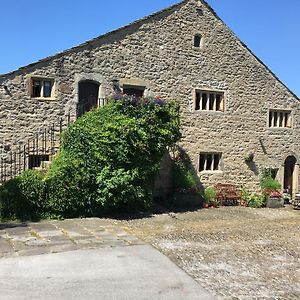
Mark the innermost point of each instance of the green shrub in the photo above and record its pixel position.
(110, 156)
(183, 178)
(267, 183)
(209, 196)
(256, 200)
(245, 195)
(23, 197)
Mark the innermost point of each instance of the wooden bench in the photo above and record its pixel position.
(227, 194)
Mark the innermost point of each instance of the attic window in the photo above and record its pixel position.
(133, 90)
(199, 11)
(197, 40)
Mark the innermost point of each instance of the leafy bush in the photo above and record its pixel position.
(256, 200)
(109, 157)
(209, 196)
(23, 197)
(184, 180)
(183, 177)
(245, 196)
(268, 184)
(253, 200)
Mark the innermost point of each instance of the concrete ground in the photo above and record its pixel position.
(86, 259)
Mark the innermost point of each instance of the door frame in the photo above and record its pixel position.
(294, 174)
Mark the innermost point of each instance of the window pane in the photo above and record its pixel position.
(219, 102)
(47, 88)
(209, 162)
(281, 119)
(197, 104)
(211, 101)
(204, 101)
(270, 119)
(197, 40)
(132, 90)
(202, 162)
(216, 162)
(36, 88)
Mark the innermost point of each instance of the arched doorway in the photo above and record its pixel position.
(290, 176)
(87, 96)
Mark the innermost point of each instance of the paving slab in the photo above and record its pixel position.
(5, 246)
(133, 272)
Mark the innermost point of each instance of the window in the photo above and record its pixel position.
(197, 40)
(209, 101)
(35, 161)
(280, 119)
(133, 90)
(210, 162)
(41, 88)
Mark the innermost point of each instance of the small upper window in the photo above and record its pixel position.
(41, 88)
(197, 40)
(280, 119)
(210, 101)
(133, 90)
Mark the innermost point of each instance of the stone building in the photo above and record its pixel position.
(232, 105)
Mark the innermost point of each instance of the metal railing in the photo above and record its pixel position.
(39, 148)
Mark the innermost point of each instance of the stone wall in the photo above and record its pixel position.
(159, 51)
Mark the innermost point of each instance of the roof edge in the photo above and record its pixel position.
(248, 49)
(105, 35)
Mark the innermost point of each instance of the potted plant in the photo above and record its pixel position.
(271, 189)
(249, 157)
(209, 197)
(275, 200)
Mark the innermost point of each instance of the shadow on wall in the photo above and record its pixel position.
(177, 185)
(253, 167)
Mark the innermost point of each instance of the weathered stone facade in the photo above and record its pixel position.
(158, 52)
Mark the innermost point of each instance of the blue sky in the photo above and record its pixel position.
(32, 29)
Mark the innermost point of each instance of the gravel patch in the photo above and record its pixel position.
(234, 252)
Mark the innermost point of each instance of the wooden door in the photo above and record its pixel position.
(88, 97)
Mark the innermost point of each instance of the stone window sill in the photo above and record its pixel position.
(44, 98)
(280, 128)
(211, 173)
(208, 112)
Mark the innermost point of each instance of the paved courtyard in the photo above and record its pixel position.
(234, 252)
(60, 236)
(39, 262)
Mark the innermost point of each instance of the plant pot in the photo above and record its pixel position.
(275, 202)
(205, 205)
